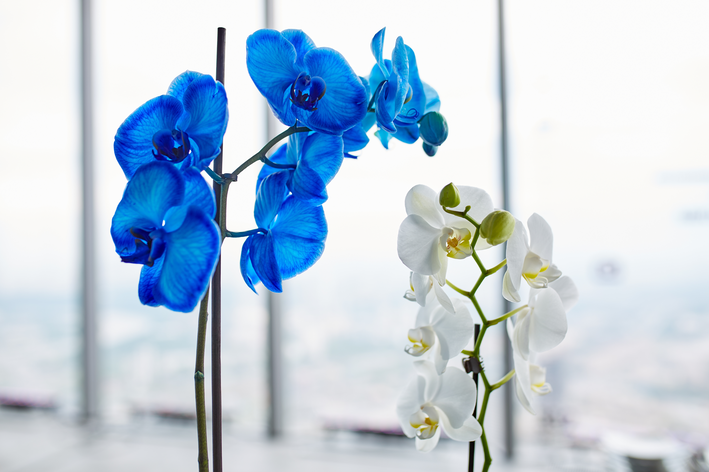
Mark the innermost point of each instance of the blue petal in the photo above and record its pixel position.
(377, 47)
(433, 103)
(247, 269)
(384, 137)
(133, 145)
(355, 139)
(206, 105)
(295, 147)
(149, 276)
(407, 134)
(368, 121)
(154, 189)
(198, 192)
(299, 234)
(384, 109)
(270, 59)
(320, 161)
(412, 111)
(278, 157)
(191, 255)
(400, 66)
(376, 77)
(269, 198)
(345, 101)
(302, 44)
(263, 260)
(178, 86)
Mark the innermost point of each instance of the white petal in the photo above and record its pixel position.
(521, 396)
(442, 297)
(423, 318)
(470, 431)
(552, 273)
(453, 330)
(517, 250)
(479, 201)
(542, 240)
(520, 335)
(407, 405)
(440, 276)
(432, 381)
(421, 285)
(456, 398)
(508, 290)
(566, 288)
(537, 374)
(427, 445)
(418, 246)
(547, 326)
(438, 359)
(423, 201)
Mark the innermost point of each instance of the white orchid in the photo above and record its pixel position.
(529, 260)
(429, 236)
(421, 286)
(542, 325)
(430, 401)
(447, 333)
(530, 381)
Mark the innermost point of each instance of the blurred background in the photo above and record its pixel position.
(608, 107)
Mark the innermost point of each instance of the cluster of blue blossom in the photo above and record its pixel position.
(456, 223)
(165, 145)
(165, 219)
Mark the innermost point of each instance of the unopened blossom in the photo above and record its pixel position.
(431, 402)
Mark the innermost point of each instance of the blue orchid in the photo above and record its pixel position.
(313, 86)
(165, 222)
(290, 239)
(315, 159)
(185, 127)
(400, 99)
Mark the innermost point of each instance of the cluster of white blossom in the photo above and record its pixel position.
(456, 223)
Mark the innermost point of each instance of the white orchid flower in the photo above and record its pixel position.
(529, 260)
(542, 325)
(530, 381)
(431, 402)
(447, 333)
(429, 236)
(421, 286)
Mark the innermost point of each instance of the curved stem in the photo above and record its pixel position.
(215, 177)
(503, 380)
(275, 165)
(203, 457)
(462, 214)
(506, 315)
(242, 234)
(486, 451)
(459, 290)
(496, 268)
(262, 153)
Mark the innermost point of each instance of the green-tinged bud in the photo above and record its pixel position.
(430, 150)
(449, 196)
(497, 227)
(433, 128)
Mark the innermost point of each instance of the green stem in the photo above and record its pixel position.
(486, 451)
(496, 268)
(479, 310)
(507, 315)
(478, 343)
(462, 214)
(459, 290)
(203, 457)
(262, 153)
(503, 380)
(224, 192)
(215, 177)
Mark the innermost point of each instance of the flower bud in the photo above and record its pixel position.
(433, 128)
(497, 227)
(430, 150)
(449, 196)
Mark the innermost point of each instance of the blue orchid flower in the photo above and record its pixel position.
(314, 86)
(290, 239)
(185, 127)
(400, 99)
(165, 222)
(315, 159)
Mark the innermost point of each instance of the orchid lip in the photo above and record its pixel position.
(149, 246)
(307, 91)
(172, 146)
